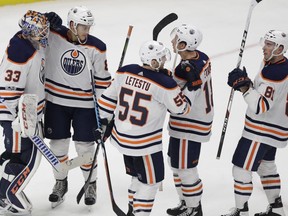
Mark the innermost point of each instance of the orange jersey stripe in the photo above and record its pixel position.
(266, 129)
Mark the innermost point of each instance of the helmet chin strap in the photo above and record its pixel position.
(272, 53)
(76, 34)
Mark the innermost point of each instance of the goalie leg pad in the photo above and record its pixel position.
(17, 175)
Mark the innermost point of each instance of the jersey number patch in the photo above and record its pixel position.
(138, 96)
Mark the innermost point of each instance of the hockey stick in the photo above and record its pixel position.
(125, 45)
(163, 23)
(47, 152)
(156, 30)
(115, 207)
(228, 110)
(99, 141)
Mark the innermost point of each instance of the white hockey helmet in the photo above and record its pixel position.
(188, 34)
(277, 37)
(154, 50)
(35, 26)
(80, 15)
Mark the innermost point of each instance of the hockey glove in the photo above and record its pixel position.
(166, 72)
(194, 81)
(105, 131)
(238, 78)
(54, 20)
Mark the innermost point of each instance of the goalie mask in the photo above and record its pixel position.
(279, 38)
(153, 50)
(35, 27)
(188, 34)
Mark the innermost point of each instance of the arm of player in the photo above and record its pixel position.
(260, 100)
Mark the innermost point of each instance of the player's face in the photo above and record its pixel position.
(174, 43)
(83, 31)
(268, 48)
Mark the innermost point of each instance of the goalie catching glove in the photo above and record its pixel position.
(192, 75)
(238, 80)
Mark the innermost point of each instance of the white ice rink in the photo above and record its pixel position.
(222, 23)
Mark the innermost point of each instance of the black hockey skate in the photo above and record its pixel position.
(274, 209)
(59, 190)
(90, 194)
(239, 212)
(183, 210)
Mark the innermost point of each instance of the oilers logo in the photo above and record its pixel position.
(73, 62)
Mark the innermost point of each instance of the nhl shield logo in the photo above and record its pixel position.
(73, 62)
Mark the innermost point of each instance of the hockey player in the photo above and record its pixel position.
(139, 96)
(266, 126)
(71, 57)
(189, 131)
(21, 73)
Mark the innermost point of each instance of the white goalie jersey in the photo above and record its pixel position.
(21, 72)
(68, 79)
(267, 113)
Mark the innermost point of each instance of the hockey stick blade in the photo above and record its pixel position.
(164, 22)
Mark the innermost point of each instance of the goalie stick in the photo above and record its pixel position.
(228, 110)
(48, 154)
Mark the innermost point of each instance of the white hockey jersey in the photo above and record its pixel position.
(139, 98)
(197, 124)
(21, 71)
(267, 113)
(68, 77)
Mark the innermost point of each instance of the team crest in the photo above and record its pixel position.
(73, 62)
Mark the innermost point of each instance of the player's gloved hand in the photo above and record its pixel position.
(238, 79)
(194, 81)
(166, 72)
(108, 129)
(54, 20)
(105, 131)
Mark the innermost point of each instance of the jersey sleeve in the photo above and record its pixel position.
(175, 101)
(259, 101)
(108, 101)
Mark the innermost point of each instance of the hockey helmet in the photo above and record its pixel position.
(35, 26)
(80, 15)
(188, 34)
(154, 50)
(278, 37)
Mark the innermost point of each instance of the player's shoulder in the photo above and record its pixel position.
(96, 43)
(61, 31)
(20, 50)
(276, 72)
(160, 79)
